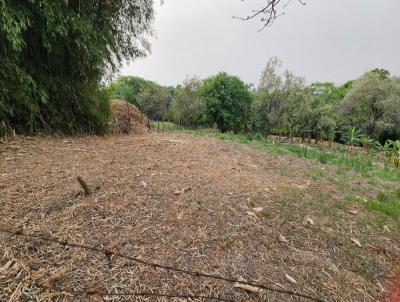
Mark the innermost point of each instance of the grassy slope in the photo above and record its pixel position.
(348, 166)
(387, 200)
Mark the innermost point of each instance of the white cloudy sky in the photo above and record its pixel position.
(326, 40)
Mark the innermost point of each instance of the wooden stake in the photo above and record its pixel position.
(83, 185)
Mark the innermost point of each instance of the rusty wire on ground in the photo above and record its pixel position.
(133, 294)
(108, 254)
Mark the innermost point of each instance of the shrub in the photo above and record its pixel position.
(228, 101)
(188, 107)
(392, 149)
(352, 136)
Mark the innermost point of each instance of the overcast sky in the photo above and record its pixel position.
(326, 40)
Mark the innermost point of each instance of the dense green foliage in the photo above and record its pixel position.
(188, 108)
(352, 136)
(369, 106)
(223, 100)
(228, 101)
(54, 56)
(129, 88)
(259, 114)
(373, 105)
(363, 112)
(392, 149)
(155, 101)
(151, 98)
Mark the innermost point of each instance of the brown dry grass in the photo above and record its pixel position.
(127, 119)
(188, 202)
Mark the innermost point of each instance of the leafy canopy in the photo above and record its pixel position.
(129, 88)
(188, 107)
(55, 55)
(228, 101)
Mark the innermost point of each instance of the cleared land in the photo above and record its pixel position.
(195, 203)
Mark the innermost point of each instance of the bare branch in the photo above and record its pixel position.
(84, 186)
(272, 10)
(20, 233)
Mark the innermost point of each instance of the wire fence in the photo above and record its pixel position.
(108, 254)
(133, 294)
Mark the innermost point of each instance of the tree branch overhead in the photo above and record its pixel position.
(272, 10)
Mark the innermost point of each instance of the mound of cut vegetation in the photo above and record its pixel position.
(127, 118)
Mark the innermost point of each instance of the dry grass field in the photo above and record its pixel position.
(193, 203)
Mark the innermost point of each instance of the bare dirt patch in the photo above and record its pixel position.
(194, 203)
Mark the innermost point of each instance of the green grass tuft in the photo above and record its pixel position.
(398, 193)
(387, 203)
(383, 196)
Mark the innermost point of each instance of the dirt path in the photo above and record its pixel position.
(194, 203)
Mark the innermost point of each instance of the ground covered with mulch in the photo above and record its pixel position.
(192, 203)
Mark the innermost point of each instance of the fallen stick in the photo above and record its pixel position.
(83, 185)
(248, 285)
(68, 149)
(249, 288)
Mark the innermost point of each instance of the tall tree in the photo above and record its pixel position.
(361, 106)
(228, 101)
(189, 107)
(283, 93)
(271, 80)
(54, 56)
(129, 88)
(154, 101)
(389, 124)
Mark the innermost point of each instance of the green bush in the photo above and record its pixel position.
(188, 108)
(392, 149)
(228, 101)
(129, 88)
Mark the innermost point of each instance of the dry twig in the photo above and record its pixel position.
(159, 266)
(83, 185)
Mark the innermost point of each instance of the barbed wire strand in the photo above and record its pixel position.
(108, 253)
(134, 294)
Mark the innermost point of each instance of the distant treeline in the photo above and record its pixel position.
(360, 112)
